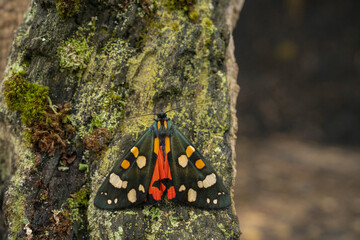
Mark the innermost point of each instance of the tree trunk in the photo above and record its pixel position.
(80, 77)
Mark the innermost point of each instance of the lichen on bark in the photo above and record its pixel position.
(114, 61)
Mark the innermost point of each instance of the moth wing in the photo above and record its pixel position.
(128, 182)
(195, 181)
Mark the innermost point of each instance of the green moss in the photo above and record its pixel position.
(193, 15)
(78, 205)
(67, 8)
(209, 30)
(30, 99)
(187, 6)
(83, 167)
(74, 55)
(180, 4)
(82, 197)
(175, 26)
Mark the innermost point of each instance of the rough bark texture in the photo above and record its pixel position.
(105, 63)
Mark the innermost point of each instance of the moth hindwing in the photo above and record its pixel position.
(162, 161)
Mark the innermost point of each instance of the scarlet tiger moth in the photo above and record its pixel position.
(162, 161)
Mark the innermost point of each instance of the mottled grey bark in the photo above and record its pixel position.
(105, 63)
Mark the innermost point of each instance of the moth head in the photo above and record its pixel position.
(161, 115)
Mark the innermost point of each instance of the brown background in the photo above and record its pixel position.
(298, 109)
(11, 15)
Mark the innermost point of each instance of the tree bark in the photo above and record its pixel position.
(80, 77)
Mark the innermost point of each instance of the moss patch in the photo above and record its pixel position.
(77, 206)
(30, 99)
(74, 55)
(67, 8)
(47, 128)
(185, 5)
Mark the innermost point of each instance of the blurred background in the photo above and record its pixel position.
(298, 151)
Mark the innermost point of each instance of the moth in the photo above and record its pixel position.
(162, 161)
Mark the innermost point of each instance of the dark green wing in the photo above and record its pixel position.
(195, 181)
(128, 182)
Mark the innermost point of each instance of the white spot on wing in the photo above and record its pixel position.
(208, 200)
(191, 195)
(141, 188)
(182, 188)
(115, 200)
(209, 180)
(124, 184)
(132, 195)
(215, 201)
(200, 184)
(109, 201)
(141, 161)
(183, 161)
(115, 180)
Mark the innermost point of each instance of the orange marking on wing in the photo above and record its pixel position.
(165, 124)
(154, 191)
(199, 164)
(167, 145)
(161, 171)
(158, 125)
(125, 164)
(156, 145)
(171, 193)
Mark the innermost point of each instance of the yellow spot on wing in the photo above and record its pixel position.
(125, 164)
(167, 145)
(199, 164)
(190, 150)
(158, 125)
(165, 124)
(156, 145)
(135, 151)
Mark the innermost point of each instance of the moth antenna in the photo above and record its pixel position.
(182, 106)
(184, 103)
(143, 115)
